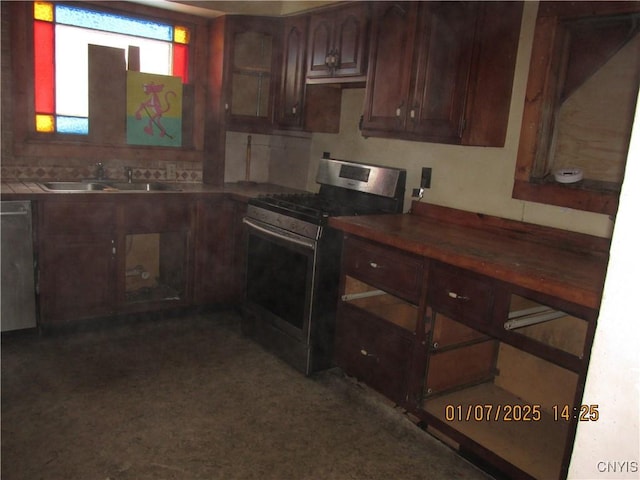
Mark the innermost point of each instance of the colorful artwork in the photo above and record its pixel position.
(154, 110)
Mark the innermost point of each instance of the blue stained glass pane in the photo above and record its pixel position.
(75, 125)
(109, 22)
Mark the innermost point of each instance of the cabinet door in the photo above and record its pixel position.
(338, 36)
(76, 261)
(441, 75)
(350, 40)
(291, 98)
(218, 247)
(77, 274)
(253, 55)
(320, 45)
(390, 60)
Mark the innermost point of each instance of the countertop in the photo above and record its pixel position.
(574, 275)
(23, 190)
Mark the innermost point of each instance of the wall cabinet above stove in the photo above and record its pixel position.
(441, 71)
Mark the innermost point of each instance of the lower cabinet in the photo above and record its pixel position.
(498, 370)
(105, 256)
(219, 252)
(374, 350)
(76, 277)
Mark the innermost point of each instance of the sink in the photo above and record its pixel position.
(145, 187)
(73, 186)
(85, 186)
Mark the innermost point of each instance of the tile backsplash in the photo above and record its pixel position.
(114, 170)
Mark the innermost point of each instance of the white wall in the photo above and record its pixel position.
(609, 447)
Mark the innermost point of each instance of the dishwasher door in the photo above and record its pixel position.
(18, 296)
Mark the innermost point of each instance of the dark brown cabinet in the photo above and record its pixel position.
(374, 350)
(76, 260)
(252, 74)
(292, 83)
(337, 46)
(378, 315)
(441, 71)
(494, 320)
(102, 257)
(219, 252)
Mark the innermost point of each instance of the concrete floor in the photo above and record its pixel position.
(190, 398)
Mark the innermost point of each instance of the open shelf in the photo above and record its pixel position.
(380, 304)
(536, 446)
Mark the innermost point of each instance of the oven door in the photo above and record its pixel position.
(280, 277)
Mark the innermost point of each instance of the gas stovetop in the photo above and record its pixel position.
(346, 189)
(307, 206)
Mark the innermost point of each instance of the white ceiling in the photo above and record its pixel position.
(212, 9)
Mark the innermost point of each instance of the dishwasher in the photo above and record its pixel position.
(17, 290)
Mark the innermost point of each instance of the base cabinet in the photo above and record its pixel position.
(77, 277)
(498, 370)
(374, 351)
(110, 256)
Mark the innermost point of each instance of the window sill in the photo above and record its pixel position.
(588, 195)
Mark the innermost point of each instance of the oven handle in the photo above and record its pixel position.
(280, 234)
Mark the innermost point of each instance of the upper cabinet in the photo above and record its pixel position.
(579, 105)
(252, 78)
(291, 94)
(441, 71)
(337, 47)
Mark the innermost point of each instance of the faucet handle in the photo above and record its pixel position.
(129, 173)
(99, 171)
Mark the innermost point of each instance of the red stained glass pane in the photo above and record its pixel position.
(43, 41)
(181, 62)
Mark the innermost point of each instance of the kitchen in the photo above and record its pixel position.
(477, 179)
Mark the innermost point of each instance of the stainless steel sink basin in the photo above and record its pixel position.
(144, 187)
(85, 186)
(73, 186)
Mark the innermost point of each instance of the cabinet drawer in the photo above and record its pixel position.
(160, 215)
(384, 267)
(373, 351)
(461, 295)
(78, 217)
(461, 366)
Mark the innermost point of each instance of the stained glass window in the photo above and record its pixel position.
(62, 34)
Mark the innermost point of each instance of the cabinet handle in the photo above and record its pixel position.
(455, 296)
(374, 265)
(113, 247)
(364, 353)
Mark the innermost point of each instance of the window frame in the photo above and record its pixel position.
(591, 196)
(27, 142)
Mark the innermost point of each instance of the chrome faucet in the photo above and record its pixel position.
(129, 173)
(100, 171)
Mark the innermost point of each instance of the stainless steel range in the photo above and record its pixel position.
(293, 258)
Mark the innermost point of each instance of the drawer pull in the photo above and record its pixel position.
(462, 298)
(374, 265)
(364, 353)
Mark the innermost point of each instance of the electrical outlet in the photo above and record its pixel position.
(170, 172)
(425, 178)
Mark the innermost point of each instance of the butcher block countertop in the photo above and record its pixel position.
(566, 265)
